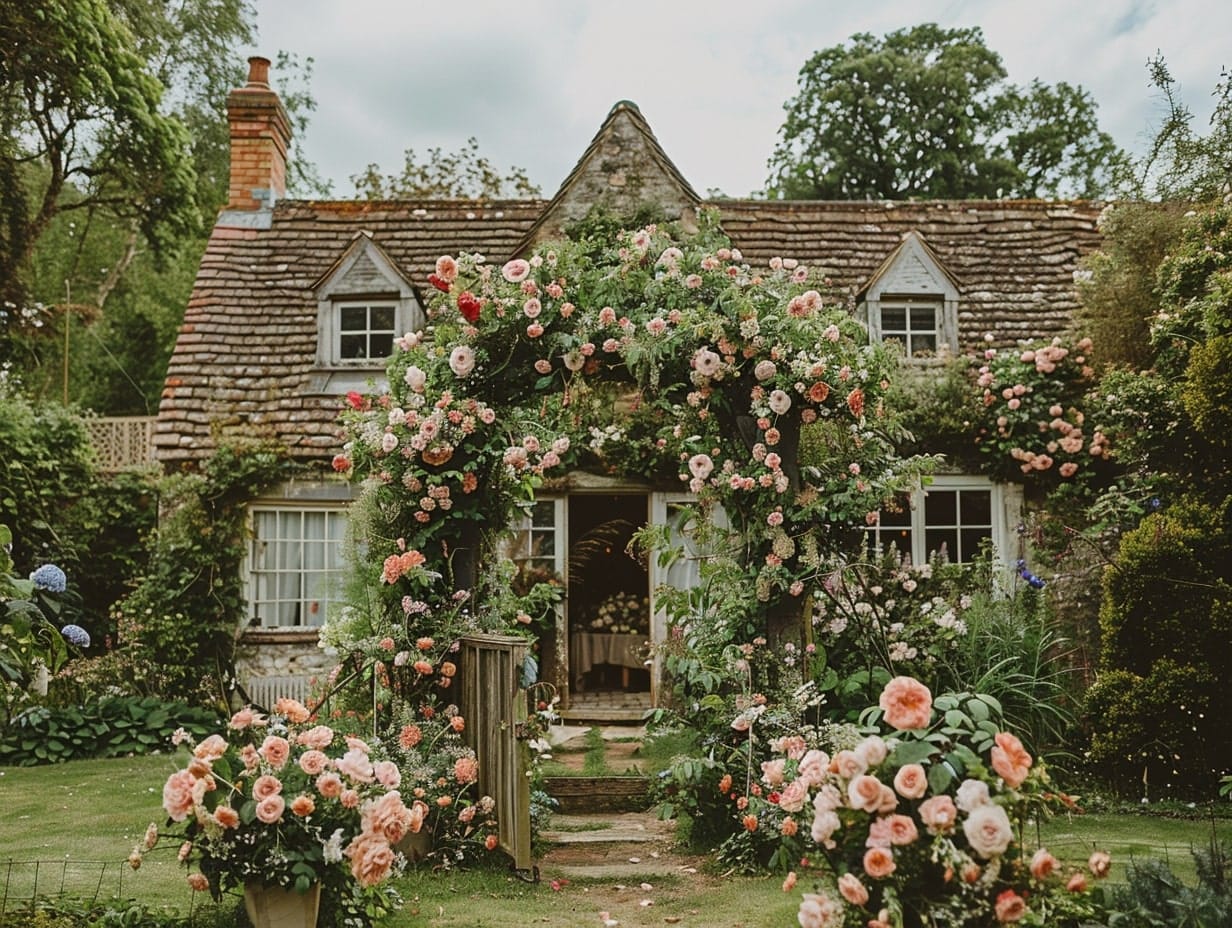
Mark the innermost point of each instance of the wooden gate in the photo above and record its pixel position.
(494, 706)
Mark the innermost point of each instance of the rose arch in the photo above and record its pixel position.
(647, 354)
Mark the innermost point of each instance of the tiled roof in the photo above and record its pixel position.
(247, 348)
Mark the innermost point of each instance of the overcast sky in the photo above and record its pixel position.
(532, 80)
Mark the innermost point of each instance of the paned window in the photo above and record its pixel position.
(365, 332)
(295, 565)
(954, 517)
(914, 326)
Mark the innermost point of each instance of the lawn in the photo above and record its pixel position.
(80, 820)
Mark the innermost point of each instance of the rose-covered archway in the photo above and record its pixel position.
(645, 354)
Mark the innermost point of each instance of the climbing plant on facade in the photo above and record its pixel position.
(653, 354)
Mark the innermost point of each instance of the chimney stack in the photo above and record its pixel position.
(260, 135)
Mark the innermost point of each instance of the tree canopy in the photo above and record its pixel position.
(445, 175)
(928, 112)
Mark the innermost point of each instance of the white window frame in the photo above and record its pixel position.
(260, 569)
(1005, 505)
(335, 327)
(521, 545)
(908, 333)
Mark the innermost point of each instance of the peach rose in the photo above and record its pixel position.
(988, 831)
(772, 771)
(371, 859)
(356, 765)
(911, 781)
(388, 817)
(825, 824)
(178, 795)
(907, 704)
(1010, 760)
(457, 723)
(490, 842)
(250, 757)
(813, 766)
(313, 762)
(1100, 863)
(1042, 864)
(265, 786)
(211, 748)
(888, 801)
(851, 889)
(879, 862)
(793, 796)
(275, 751)
(848, 765)
(269, 809)
(902, 829)
(303, 806)
(198, 883)
(864, 793)
(318, 737)
(1010, 907)
(789, 827)
(349, 799)
(227, 817)
(247, 718)
(1077, 883)
(872, 750)
(387, 774)
(329, 785)
(819, 911)
(419, 812)
(789, 882)
(293, 710)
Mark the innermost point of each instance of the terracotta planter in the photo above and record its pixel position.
(275, 907)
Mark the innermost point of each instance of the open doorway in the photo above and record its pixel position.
(609, 602)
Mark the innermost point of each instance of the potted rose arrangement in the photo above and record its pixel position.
(622, 614)
(920, 822)
(281, 802)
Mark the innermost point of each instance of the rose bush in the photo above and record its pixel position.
(280, 800)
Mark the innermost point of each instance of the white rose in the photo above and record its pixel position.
(462, 360)
(971, 795)
(988, 831)
(779, 402)
(415, 378)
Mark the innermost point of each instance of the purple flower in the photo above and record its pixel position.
(76, 636)
(49, 577)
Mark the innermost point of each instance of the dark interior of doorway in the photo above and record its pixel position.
(600, 565)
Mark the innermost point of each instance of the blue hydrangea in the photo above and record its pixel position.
(51, 578)
(76, 635)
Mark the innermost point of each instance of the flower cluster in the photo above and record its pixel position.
(281, 801)
(916, 823)
(622, 614)
(1029, 410)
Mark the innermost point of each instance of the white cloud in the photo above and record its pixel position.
(533, 81)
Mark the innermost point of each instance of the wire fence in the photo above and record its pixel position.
(25, 883)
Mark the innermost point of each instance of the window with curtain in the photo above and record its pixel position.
(295, 565)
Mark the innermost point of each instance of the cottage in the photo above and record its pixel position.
(298, 302)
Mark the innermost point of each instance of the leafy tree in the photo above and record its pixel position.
(927, 112)
(81, 112)
(464, 173)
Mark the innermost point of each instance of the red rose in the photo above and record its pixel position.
(355, 400)
(341, 463)
(440, 283)
(469, 306)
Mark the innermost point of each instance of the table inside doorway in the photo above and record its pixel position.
(623, 651)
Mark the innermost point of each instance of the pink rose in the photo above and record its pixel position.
(813, 767)
(793, 796)
(247, 718)
(329, 785)
(879, 862)
(911, 781)
(319, 737)
(907, 704)
(1010, 760)
(515, 271)
(275, 751)
(265, 786)
(872, 750)
(902, 830)
(819, 911)
(851, 889)
(357, 765)
(1100, 863)
(1043, 864)
(387, 774)
(848, 765)
(1010, 907)
(313, 762)
(772, 771)
(226, 817)
(938, 814)
(211, 748)
(269, 809)
(371, 856)
(864, 792)
(178, 795)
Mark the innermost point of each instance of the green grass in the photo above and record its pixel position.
(66, 815)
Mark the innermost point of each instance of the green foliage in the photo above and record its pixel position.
(446, 175)
(186, 608)
(63, 912)
(79, 94)
(1121, 294)
(1195, 289)
(1158, 709)
(1207, 393)
(926, 112)
(1152, 896)
(116, 726)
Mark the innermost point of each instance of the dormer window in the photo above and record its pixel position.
(914, 324)
(912, 302)
(363, 303)
(365, 332)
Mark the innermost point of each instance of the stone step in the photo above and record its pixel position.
(599, 794)
(567, 830)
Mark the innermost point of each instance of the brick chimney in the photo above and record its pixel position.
(260, 135)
